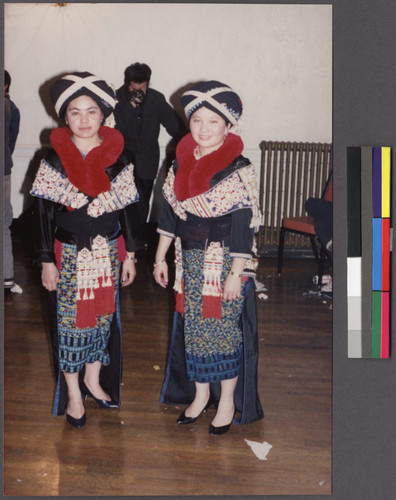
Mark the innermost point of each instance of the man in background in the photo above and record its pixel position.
(11, 125)
(139, 114)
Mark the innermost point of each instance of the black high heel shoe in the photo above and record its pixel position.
(189, 420)
(217, 431)
(85, 392)
(76, 422)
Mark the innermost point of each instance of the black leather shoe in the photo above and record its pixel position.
(217, 431)
(76, 422)
(189, 420)
(101, 402)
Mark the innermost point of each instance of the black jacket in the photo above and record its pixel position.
(141, 127)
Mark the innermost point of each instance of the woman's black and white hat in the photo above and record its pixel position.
(76, 84)
(215, 96)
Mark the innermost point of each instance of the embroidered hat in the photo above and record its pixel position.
(76, 84)
(215, 96)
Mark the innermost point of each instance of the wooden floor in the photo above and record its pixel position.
(139, 449)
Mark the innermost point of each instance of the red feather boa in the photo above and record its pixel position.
(193, 176)
(88, 174)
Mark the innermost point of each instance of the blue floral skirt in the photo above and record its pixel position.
(213, 347)
(79, 346)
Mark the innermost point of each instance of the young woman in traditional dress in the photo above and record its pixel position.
(84, 190)
(211, 209)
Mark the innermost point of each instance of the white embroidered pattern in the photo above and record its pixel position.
(178, 266)
(122, 193)
(238, 190)
(92, 265)
(249, 179)
(213, 264)
(227, 196)
(170, 196)
(52, 185)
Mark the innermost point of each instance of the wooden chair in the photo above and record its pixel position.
(304, 225)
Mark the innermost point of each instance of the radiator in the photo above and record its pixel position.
(291, 172)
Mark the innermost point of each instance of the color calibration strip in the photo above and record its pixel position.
(369, 245)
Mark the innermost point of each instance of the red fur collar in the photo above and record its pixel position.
(193, 176)
(88, 175)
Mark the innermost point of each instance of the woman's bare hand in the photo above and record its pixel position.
(128, 272)
(49, 276)
(232, 287)
(160, 274)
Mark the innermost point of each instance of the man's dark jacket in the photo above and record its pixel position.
(141, 127)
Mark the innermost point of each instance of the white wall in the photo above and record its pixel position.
(277, 57)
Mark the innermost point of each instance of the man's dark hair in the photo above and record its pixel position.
(7, 80)
(137, 72)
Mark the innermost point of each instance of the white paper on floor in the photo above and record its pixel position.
(261, 450)
(260, 287)
(263, 296)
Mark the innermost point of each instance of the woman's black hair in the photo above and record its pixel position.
(137, 72)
